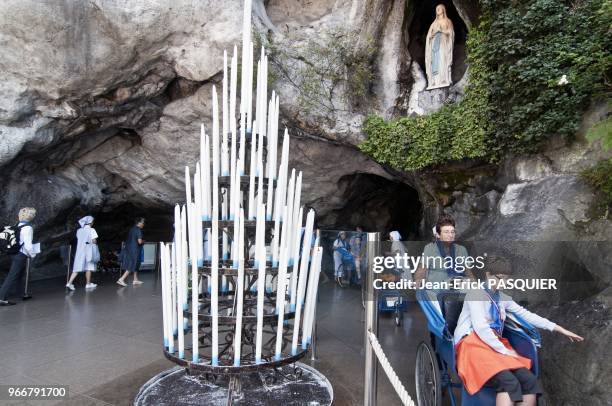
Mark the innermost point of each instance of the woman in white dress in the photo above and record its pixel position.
(86, 251)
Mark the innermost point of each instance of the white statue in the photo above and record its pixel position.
(439, 50)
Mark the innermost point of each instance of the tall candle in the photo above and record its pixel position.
(205, 173)
(214, 238)
(281, 192)
(297, 233)
(185, 258)
(176, 255)
(242, 149)
(187, 185)
(250, 89)
(193, 253)
(232, 111)
(281, 288)
(304, 261)
(253, 163)
(246, 53)
(296, 204)
(197, 217)
(273, 150)
(224, 115)
(313, 281)
(162, 250)
(235, 210)
(276, 238)
(239, 289)
(261, 265)
(180, 294)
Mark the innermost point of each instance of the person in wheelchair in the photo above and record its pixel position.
(483, 356)
(436, 253)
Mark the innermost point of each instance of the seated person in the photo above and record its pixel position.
(436, 255)
(484, 357)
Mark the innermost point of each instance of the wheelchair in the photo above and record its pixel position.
(435, 369)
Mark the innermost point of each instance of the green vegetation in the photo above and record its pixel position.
(534, 67)
(334, 66)
(600, 178)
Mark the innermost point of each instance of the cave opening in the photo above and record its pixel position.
(422, 14)
(378, 204)
(113, 226)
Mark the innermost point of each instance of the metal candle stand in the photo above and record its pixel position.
(270, 369)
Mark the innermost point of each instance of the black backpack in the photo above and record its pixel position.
(9, 239)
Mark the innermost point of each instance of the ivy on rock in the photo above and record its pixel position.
(534, 68)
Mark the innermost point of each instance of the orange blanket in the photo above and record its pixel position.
(477, 362)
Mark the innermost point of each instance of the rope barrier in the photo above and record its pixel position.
(393, 378)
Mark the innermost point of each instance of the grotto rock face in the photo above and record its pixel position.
(101, 102)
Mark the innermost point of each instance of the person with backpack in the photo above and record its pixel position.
(87, 254)
(17, 242)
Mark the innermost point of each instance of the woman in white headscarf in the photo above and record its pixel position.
(86, 252)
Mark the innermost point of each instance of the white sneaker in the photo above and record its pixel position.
(70, 286)
(90, 285)
(120, 282)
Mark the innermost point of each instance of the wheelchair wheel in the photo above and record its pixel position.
(427, 377)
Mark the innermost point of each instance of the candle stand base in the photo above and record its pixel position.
(288, 385)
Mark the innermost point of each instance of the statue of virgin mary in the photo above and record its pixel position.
(439, 50)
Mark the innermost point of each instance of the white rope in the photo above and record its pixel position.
(397, 384)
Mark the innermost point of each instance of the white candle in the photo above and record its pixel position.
(184, 263)
(297, 233)
(205, 173)
(311, 299)
(250, 88)
(180, 294)
(290, 194)
(242, 149)
(296, 204)
(235, 210)
(304, 261)
(273, 150)
(281, 187)
(260, 255)
(224, 115)
(193, 253)
(239, 289)
(164, 271)
(173, 285)
(258, 113)
(197, 217)
(187, 185)
(246, 53)
(251, 207)
(281, 288)
(232, 111)
(276, 239)
(214, 238)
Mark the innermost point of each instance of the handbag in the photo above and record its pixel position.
(95, 254)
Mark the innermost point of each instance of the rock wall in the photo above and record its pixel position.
(101, 102)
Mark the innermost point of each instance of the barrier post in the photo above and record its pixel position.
(371, 323)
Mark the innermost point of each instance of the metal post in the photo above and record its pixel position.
(68, 265)
(371, 323)
(313, 346)
(26, 295)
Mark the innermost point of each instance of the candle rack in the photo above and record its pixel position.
(240, 278)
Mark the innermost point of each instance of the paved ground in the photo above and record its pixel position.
(106, 343)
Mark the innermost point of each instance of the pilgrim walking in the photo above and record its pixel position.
(24, 234)
(87, 254)
(130, 260)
